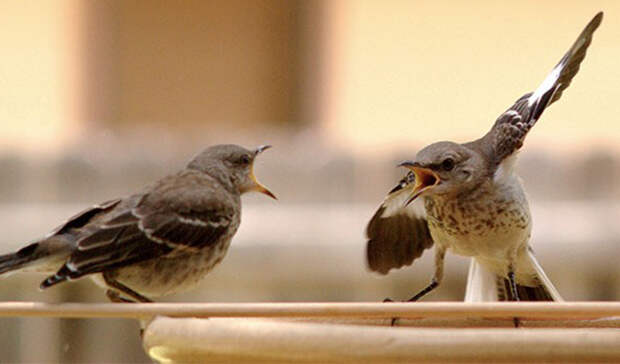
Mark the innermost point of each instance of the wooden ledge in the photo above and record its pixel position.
(360, 332)
(243, 340)
(532, 310)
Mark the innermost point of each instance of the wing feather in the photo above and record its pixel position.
(397, 234)
(510, 129)
(162, 222)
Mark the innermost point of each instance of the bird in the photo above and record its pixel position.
(159, 241)
(466, 198)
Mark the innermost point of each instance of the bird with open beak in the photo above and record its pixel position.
(467, 198)
(162, 240)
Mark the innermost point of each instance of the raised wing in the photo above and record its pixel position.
(507, 134)
(174, 217)
(397, 235)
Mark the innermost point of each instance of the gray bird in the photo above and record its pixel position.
(162, 240)
(467, 198)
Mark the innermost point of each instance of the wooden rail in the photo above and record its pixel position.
(358, 332)
(252, 340)
(534, 310)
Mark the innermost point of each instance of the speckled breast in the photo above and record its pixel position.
(490, 222)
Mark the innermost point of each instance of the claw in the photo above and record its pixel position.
(394, 319)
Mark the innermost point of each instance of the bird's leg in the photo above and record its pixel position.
(119, 287)
(437, 277)
(440, 254)
(115, 297)
(513, 286)
(514, 292)
(426, 290)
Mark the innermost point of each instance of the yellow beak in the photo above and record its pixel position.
(425, 178)
(259, 187)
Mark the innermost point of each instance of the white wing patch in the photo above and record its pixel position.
(549, 83)
(513, 114)
(394, 204)
(194, 222)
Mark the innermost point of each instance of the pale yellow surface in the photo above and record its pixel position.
(39, 74)
(407, 73)
(393, 74)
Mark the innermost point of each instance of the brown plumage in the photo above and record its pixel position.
(159, 241)
(472, 203)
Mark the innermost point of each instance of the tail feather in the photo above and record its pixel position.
(63, 274)
(485, 286)
(18, 260)
(526, 293)
(544, 280)
(44, 256)
(481, 284)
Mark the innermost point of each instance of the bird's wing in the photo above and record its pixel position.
(507, 134)
(84, 217)
(177, 215)
(397, 234)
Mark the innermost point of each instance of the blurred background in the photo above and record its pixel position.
(99, 98)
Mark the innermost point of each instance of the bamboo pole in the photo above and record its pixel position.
(219, 340)
(533, 310)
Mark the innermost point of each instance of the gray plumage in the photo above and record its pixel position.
(471, 201)
(159, 241)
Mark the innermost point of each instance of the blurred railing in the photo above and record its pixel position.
(298, 253)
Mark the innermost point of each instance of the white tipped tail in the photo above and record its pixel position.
(544, 280)
(485, 286)
(481, 284)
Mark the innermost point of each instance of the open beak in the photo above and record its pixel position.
(425, 178)
(258, 187)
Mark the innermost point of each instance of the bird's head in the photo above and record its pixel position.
(232, 164)
(444, 168)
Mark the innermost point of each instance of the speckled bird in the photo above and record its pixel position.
(162, 240)
(467, 198)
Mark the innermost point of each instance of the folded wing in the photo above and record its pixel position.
(163, 222)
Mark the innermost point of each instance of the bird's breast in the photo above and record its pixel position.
(490, 222)
(166, 275)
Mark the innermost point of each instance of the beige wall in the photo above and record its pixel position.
(38, 78)
(71, 68)
(407, 73)
(196, 62)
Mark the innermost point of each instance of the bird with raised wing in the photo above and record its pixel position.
(162, 240)
(467, 198)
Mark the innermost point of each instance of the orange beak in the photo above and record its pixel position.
(425, 179)
(259, 187)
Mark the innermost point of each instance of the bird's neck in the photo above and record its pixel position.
(225, 179)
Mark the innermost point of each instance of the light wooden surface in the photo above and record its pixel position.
(241, 340)
(540, 310)
(360, 332)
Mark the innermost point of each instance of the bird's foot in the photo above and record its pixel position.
(517, 322)
(394, 319)
(115, 297)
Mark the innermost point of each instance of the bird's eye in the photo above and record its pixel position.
(447, 164)
(245, 159)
